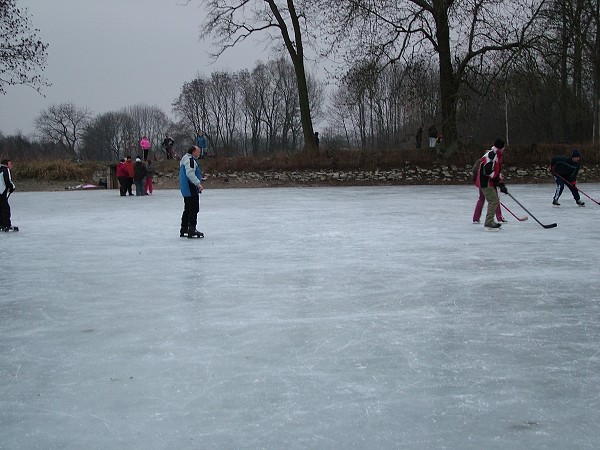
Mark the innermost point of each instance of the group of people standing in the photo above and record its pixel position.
(487, 175)
(139, 174)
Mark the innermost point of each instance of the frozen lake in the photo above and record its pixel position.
(308, 318)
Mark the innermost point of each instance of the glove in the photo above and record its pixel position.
(503, 189)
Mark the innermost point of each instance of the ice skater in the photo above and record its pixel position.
(565, 169)
(7, 187)
(190, 185)
(149, 181)
(479, 207)
(139, 173)
(489, 176)
(123, 177)
(481, 199)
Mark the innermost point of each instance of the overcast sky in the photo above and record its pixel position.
(108, 54)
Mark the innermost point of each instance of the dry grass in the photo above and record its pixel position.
(326, 159)
(54, 170)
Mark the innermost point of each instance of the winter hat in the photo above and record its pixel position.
(138, 160)
(499, 143)
(575, 154)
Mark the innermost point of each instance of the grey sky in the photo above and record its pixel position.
(108, 54)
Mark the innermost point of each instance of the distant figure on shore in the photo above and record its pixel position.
(167, 145)
(419, 136)
(145, 146)
(201, 144)
(317, 140)
(433, 135)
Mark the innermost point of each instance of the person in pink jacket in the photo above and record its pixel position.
(145, 146)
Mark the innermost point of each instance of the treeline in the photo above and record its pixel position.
(545, 93)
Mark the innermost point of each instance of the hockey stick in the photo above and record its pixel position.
(571, 184)
(551, 225)
(520, 219)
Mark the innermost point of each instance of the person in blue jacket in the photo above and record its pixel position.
(201, 144)
(565, 169)
(190, 185)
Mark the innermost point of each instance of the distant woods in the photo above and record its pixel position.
(532, 79)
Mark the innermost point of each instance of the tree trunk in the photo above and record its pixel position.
(296, 51)
(304, 103)
(448, 85)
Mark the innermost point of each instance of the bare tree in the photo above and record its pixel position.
(147, 120)
(462, 35)
(568, 51)
(594, 51)
(252, 105)
(233, 21)
(192, 106)
(223, 104)
(64, 125)
(107, 135)
(22, 53)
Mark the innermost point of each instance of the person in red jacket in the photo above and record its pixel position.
(489, 176)
(123, 177)
(129, 166)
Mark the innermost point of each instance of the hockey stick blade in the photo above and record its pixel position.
(520, 219)
(551, 225)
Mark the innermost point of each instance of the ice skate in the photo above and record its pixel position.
(492, 227)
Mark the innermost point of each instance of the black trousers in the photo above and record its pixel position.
(4, 211)
(191, 206)
(123, 184)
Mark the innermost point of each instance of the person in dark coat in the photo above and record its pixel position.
(419, 136)
(565, 169)
(6, 188)
(139, 173)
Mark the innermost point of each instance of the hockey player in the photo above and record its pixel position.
(489, 177)
(564, 170)
(6, 188)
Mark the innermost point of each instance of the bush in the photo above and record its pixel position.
(326, 159)
(55, 170)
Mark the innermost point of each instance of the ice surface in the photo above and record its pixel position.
(308, 318)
